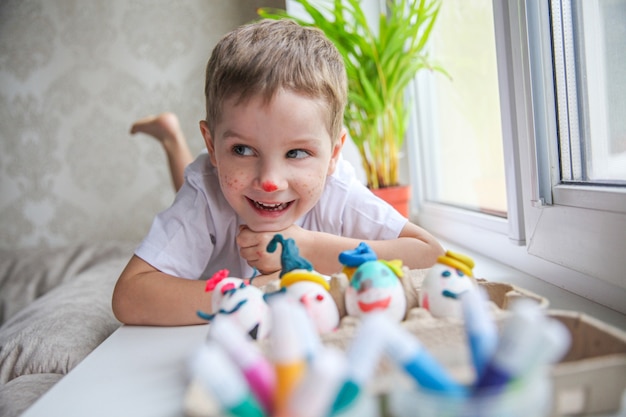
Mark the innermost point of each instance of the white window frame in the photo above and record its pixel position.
(571, 236)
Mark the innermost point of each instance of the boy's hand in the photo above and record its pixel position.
(253, 247)
(261, 280)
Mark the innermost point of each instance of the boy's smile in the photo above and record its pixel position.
(272, 157)
(270, 209)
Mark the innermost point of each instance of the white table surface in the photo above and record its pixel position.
(138, 371)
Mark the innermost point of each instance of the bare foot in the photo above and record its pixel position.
(163, 127)
(166, 129)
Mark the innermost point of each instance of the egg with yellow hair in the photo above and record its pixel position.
(311, 290)
(446, 281)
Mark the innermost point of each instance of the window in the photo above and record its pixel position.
(465, 156)
(561, 84)
(464, 168)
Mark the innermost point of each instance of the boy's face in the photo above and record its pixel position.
(272, 158)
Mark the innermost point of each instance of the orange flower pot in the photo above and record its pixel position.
(398, 196)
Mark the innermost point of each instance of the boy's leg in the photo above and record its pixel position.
(166, 129)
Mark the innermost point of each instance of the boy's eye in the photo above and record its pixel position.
(297, 154)
(242, 150)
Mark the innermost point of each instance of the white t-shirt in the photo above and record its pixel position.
(195, 237)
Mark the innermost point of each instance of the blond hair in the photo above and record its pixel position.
(267, 56)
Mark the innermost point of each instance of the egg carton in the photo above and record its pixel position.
(590, 379)
(445, 338)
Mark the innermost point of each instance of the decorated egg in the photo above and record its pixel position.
(375, 286)
(247, 307)
(352, 259)
(243, 303)
(450, 277)
(224, 286)
(312, 291)
(308, 287)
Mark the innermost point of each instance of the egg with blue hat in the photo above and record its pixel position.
(374, 285)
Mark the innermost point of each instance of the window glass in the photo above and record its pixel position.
(464, 144)
(590, 51)
(606, 147)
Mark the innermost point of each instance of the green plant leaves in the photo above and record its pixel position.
(380, 63)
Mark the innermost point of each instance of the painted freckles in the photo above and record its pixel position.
(232, 181)
(314, 186)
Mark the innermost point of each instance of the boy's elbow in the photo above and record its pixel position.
(434, 252)
(426, 245)
(125, 301)
(120, 304)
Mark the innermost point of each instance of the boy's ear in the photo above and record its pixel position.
(336, 151)
(208, 140)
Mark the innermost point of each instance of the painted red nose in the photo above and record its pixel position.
(269, 186)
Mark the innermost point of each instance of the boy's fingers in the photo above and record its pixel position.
(249, 254)
(244, 237)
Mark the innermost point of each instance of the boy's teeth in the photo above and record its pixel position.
(269, 205)
(275, 206)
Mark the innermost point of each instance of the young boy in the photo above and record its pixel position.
(275, 94)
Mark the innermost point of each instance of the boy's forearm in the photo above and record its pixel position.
(414, 253)
(144, 296)
(415, 248)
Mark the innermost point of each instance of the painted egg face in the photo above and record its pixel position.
(222, 287)
(441, 290)
(246, 306)
(375, 287)
(318, 303)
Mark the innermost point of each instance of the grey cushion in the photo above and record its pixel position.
(27, 274)
(20, 393)
(53, 333)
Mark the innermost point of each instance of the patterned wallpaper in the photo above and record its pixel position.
(74, 75)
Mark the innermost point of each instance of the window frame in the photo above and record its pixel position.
(568, 235)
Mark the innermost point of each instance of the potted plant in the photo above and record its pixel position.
(380, 63)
